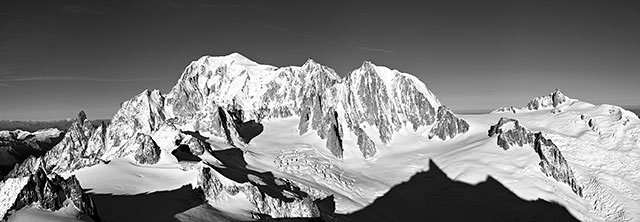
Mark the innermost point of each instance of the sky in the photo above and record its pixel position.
(58, 57)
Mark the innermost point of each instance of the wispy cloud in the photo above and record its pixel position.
(390, 52)
(5, 82)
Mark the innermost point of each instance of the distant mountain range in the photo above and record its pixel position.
(33, 126)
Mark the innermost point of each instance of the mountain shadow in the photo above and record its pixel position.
(235, 168)
(432, 196)
(247, 130)
(183, 153)
(157, 206)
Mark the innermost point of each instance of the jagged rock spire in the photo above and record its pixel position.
(82, 116)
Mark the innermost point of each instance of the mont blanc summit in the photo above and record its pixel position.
(247, 141)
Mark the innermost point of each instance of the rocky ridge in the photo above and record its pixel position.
(292, 203)
(510, 133)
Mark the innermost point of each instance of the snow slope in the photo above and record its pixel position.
(603, 156)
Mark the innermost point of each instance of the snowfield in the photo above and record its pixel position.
(125, 177)
(604, 158)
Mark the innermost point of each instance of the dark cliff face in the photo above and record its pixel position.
(52, 192)
(510, 132)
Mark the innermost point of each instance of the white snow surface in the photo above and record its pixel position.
(125, 177)
(605, 160)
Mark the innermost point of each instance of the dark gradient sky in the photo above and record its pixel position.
(58, 57)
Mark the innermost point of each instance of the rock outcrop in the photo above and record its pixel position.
(44, 191)
(552, 100)
(509, 109)
(145, 150)
(53, 192)
(448, 125)
(509, 132)
(216, 187)
(196, 146)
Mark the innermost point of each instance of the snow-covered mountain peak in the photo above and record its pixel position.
(369, 70)
(233, 58)
(315, 68)
(229, 66)
(370, 73)
(554, 100)
(311, 63)
(214, 89)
